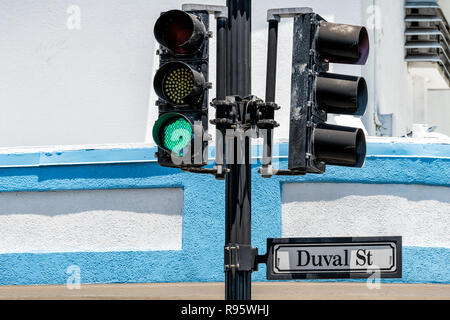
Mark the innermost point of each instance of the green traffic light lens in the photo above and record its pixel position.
(176, 135)
(178, 84)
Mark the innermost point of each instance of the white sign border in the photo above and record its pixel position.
(390, 244)
(336, 274)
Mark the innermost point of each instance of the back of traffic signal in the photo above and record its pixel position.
(315, 92)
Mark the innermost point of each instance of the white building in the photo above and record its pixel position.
(79, 185)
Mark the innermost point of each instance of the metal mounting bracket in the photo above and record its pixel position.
(277, 14)
(276, 172)
(218, 11)
(217, 171)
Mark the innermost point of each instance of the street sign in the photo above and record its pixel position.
(334, 258)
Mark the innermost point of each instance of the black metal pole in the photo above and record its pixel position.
(238, 180)
(271, 79)
(221, 57)
(221, 85)
(271, 73)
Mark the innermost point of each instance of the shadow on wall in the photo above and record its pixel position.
(335, 191)
(53, 203)
(420, 214)
(91, 220)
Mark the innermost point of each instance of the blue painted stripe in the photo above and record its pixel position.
(75, 157)
(135, 155)
(420, 265)
(409, 149)
(91, 156)
(204, 204)
(19, 160)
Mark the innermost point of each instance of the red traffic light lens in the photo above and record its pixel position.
(180, 32)
(177, 31)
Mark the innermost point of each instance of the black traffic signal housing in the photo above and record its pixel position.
(181, 84)
(312, 142)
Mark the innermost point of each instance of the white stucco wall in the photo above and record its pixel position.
(420, 214)
(438, 110)
(390, 79)
(445, 6)
(97, 220)
(93, 85)
(61, 85)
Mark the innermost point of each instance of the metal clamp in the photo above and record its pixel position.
(266, 171)
(239, 257)
(278, 172)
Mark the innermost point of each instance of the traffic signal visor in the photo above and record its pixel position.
(342, 94)
(342, 43)
(339, 145)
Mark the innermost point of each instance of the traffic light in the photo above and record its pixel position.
(312, 142)
(181, 84)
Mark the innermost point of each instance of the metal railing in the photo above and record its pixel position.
(427, 35)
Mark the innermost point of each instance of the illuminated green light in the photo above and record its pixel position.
(177, 135)
(178, 84)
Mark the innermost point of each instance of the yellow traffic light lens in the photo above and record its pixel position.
(178, 84)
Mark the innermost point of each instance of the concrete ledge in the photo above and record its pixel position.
(214, 291)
